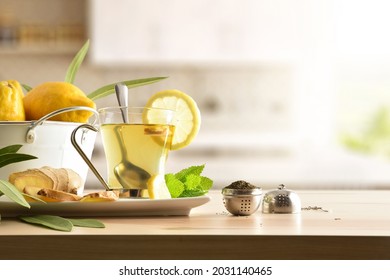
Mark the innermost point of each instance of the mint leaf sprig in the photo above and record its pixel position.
(188, 182)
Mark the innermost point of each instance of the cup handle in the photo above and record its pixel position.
(84, 156)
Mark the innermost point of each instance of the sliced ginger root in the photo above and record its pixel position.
(33, 195)
(61, 179)
(55, 185)
(49, 195)
(100, 197)
(57, 195)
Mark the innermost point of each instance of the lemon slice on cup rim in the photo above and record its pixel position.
(186, 117)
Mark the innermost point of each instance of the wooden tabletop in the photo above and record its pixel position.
(354, 225)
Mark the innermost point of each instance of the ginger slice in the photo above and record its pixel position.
(74, 180)
(50, 172)
(61, 179)
(30, 177)
(33, 192)
(58, 195)
(100, 197)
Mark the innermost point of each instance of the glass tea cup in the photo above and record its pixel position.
(136, 142)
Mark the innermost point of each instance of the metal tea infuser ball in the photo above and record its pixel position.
(281, 201)
(241, 198)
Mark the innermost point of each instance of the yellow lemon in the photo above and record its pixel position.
(187, 115)
(157, 188)
(51, 96)
(11, 101)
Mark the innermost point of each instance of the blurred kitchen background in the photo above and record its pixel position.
(293, 92)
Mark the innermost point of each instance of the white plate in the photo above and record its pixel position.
(121, 207)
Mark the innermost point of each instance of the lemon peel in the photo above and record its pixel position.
(187, 117)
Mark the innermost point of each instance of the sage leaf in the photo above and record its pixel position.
(13, 193)
(76, 62)
(27, 88)
(49, 221)
(109, 89)
(10, 149)
(90, 223)
(9, 158)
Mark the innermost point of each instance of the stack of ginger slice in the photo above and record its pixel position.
(55, 185)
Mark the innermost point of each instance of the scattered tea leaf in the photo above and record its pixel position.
(13, 193)
(76, 62)
(53, 222)
(10, 149)
(90, 223)
(109, 89)
(9, 158)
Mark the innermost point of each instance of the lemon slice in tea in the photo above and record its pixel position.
(187, 115)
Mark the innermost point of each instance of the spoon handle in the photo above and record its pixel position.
(122, 95)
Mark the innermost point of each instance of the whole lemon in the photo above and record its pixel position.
(11, 101)
(50, 96)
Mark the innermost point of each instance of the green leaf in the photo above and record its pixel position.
(90, 223)
(9, 158)
(192, 181)
(192, 193)
(109, 89)
(206, 183)
(53, 222)
(195, 170)
(10, 149)
(76, 62)
(188, 182)
(175, 186)
(26, 87)
(13, 193)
